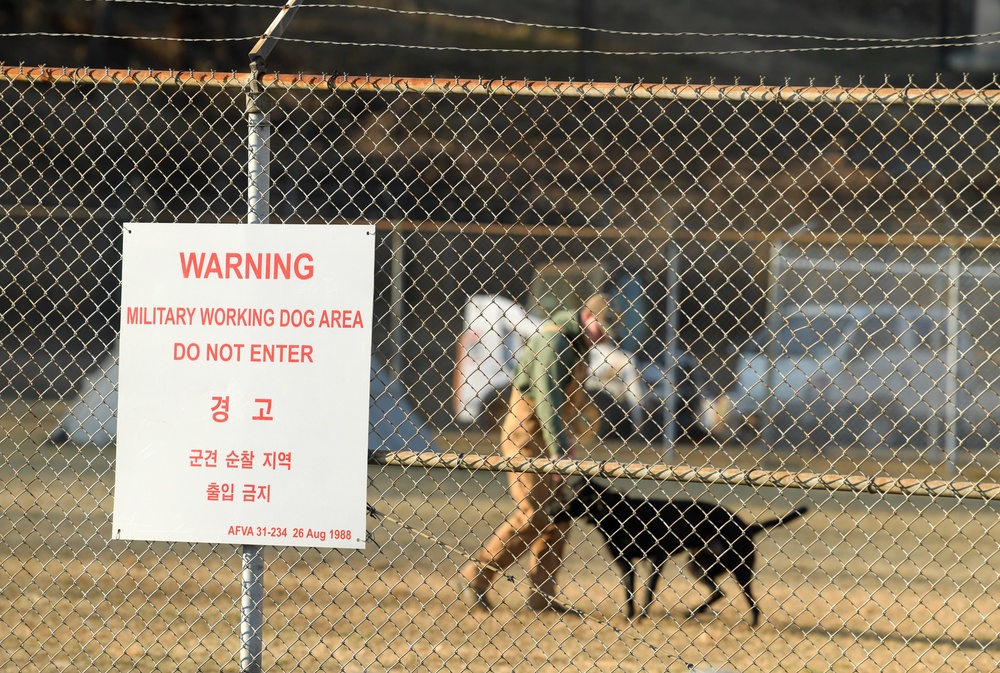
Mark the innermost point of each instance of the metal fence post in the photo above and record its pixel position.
(258, 212)
(772, 320)
(397, 334)
(671, 428)
(252, 610)
(252, 582)
(953, 300)
(259, 150)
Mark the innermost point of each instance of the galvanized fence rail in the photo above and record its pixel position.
(806, 294)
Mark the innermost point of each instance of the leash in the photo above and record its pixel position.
(558, 605)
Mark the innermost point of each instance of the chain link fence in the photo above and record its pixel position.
(806, 290)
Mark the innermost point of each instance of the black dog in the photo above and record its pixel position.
(717, 540)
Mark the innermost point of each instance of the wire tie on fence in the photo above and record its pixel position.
(602, 468)
(370, 535)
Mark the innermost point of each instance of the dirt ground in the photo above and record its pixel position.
(865, 582)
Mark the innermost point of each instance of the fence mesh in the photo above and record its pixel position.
(806, 296)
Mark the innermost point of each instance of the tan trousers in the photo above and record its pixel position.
(530, 527)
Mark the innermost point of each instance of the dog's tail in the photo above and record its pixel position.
(761, 526)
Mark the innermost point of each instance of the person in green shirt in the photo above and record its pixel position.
(546, 396)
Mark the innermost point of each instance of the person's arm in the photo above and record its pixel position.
(549, 372)
(579, 407)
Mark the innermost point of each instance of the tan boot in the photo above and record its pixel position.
(476, 598)
(472, 590)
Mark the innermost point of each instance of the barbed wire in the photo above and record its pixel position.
(182, 3)
(163, 38)
(935, 41)
(507, 50)
(629, 33)
(602, 52)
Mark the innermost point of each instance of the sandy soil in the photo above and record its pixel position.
(865, 583)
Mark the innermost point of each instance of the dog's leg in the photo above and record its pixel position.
(744, 575)
(628, 582)
(702, 575)
(651, 586)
